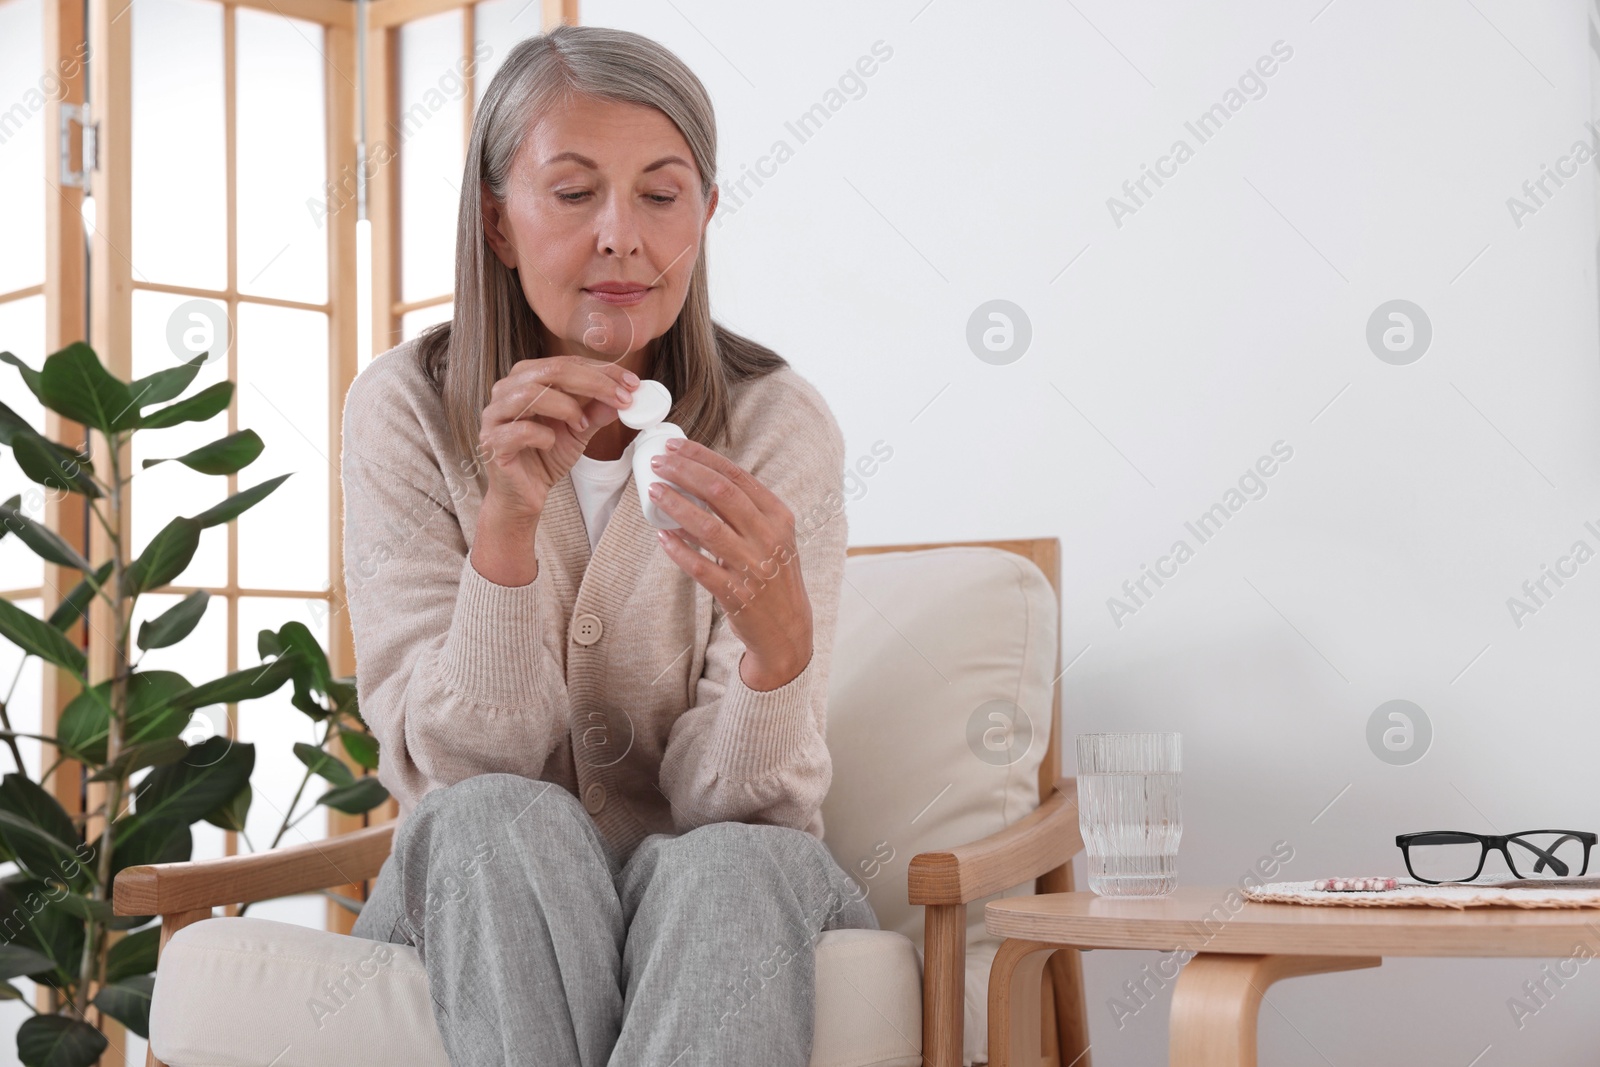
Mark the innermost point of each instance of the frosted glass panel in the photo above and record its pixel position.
(430, 129)
(23, 94)
(27, 699)
(500, 24)
(273, 725)
(167, 490)
(179, 181)
(21, 332)
(283, 396)
(414, 322)
(283, 226)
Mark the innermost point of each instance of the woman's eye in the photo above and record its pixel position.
(662, 198)
(572, 198)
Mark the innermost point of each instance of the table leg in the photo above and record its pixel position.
(1016, 1024)
(1217, 1001)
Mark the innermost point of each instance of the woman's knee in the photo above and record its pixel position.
(496, 801)
(748, 847)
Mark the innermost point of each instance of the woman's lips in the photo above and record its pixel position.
(620, 299)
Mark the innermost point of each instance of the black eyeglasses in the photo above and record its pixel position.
(1436, 856)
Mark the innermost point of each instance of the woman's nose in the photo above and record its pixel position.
(617, 227)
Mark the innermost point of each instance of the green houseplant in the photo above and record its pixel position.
(55, 909)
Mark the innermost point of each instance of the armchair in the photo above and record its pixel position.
(913, 993)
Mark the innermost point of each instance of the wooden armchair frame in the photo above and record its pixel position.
(1038, 846)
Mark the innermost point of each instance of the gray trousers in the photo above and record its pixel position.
(542, 948)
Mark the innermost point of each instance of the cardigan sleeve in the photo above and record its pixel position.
(453, 678)
(743, 755)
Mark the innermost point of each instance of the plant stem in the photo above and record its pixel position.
(93, 950)
(11, 739)
(283, 829)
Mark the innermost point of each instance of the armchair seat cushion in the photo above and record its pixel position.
(242, 992)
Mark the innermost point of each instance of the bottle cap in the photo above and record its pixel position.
(651, 403)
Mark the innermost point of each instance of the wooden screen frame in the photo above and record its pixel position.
(111, 295)
(383, 21)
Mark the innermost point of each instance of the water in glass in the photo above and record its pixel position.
(1128, 812)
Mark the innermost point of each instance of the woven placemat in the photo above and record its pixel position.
(1525, 893)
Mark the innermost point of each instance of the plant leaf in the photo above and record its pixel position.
(131, 955)
(232, 815)
(45, 542)
(53, 465)
(324, 764)
(25, 798)
(137, 842)
(41, 854)
(238, 503)
(29, 376)
(225, 455)
(11, 424)
(165, 385)
(198, 408)
(363, 748)
(38, 831)
(128, 1001)
(32, 920)
(312, 676)
(136, 758)
(153, 713)
(361, 796)
(191, 789)
(57, 1041)
(76, 384)
(248, 684)
(164, 558)
(85, 908)
(37, 637)
(75, 605)
(176, 623)
(18, 961)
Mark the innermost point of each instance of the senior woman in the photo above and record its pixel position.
(607, 740)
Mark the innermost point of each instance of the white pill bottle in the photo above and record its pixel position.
(651, 403)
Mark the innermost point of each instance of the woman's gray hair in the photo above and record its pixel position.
(493, 325)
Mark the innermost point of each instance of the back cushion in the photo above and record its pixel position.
(938, 719)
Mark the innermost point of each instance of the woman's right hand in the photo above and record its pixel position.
(533, 429)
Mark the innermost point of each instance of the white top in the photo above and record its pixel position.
(598, 484)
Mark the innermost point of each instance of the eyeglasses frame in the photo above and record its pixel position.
(1494, 842)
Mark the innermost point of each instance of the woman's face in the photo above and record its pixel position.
(603, 222)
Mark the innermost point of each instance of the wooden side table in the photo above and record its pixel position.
(1239, 953)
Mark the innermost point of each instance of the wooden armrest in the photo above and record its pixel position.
(166, 888)
(1040, 841)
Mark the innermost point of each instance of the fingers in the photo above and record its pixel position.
(578, 375)
(503, 441)
(557, 388)
(698, 458)
(728, 489)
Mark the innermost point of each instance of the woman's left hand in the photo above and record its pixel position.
(755, 575)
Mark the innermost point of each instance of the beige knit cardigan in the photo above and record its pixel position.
(615, 677)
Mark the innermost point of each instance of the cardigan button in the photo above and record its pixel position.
(587, 629)
(594, 798)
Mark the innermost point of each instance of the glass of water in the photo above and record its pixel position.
(1128, 812)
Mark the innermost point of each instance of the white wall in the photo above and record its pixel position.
(1226, 314)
